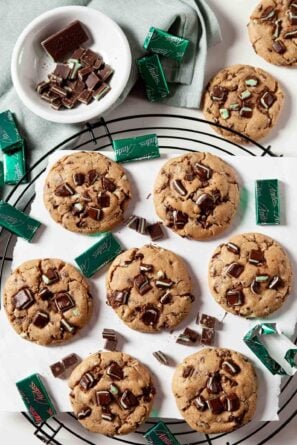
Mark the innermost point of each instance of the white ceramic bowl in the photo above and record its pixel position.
(30, 64)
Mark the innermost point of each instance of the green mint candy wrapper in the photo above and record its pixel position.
(10, 138)
(277, 352)
(165, 44)
(14, 166)
(267, 201)
(160, 434)
(138, 148)
(151, 71)
(17, 222)
(1, 174)
(99, 254)
(35, 397)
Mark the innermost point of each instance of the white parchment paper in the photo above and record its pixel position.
(20, 358)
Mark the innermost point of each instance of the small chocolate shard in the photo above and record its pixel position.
(204, 173)
(231, 402)
(57, 369)
(84, 413)
(200, 403)
(155, 231)
(78, 178)
(234, 297)
(150, 315)
(233, 248)
(63, 301)
(256, 257)
(91, 177)
(23, 298)
(64, 190)
(275, 282)
(207, 336)
(51, 276)
(45, 294)
(161, 357)
(107, 184)
(40, 319)
(115, 371)
(94, 213)
(219, 94)
(179, 187)
(103, 398)
(87, 381)
(230, 366)
(207, 321)
(214, 383)
(235, 270)
(142, 284)
(128, 400)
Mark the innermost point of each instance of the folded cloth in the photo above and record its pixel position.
(191, 19)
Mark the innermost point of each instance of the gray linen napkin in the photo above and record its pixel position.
(192, 19)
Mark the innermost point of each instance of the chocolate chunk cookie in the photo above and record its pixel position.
(149, 288)
(250, 275)
(47, 301)
(273, 31)
(87, 192)
(111, 393)
(215, 390)
(196, 195)
(245, 99)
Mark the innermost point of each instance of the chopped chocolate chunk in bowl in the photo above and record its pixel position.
(149, 288)
(212, 384)
(196, 195)
(250, 275)
(116, 403)
(86, 192)
(47, 301)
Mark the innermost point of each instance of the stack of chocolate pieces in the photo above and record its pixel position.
(140, 225)
(189, 337)
(81, 78)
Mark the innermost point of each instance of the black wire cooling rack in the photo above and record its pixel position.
(176, 132)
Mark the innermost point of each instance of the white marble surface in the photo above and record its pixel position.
(235, 48)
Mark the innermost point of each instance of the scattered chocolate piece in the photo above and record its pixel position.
(161, 357)
(179, 187)
(128, 400)
(84, 413)
(103, 200)
(233, 248)
(137, 223)
(87, 381)
(275, 282)
(65, 325)
(268, 98)
(235, 270)
(231, 367)
(64, 190)
(110, 345)
(40, 320)
(207, 321)
(70, 360)
(103, 398)
(232, 402)
(189, 336)
(94, 213)
(150, 316)
(207, 336)
(78, 178)
(200, 403)
(108, 185)
(146, 267)
(219, 94)
(155, 231)
(246, 112)
(204, 173)
(63, 301)
(279, 47)
(255, 287)
(188, 372)
(215, 405)
(234, 297)
(115, 371)
(214, 383)
(142, 284)
(45, 294)
(166, 298)
(164, 283)
(50, 276)
(256, 257)
(268, 14)
(57, 369)
(23, 298)
(109, 334)
(206, 203)
(61, 43)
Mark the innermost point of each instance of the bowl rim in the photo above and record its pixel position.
(53, 115)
